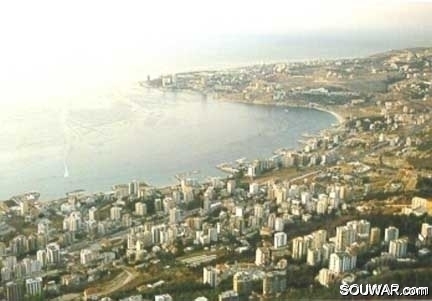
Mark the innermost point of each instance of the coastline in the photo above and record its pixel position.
(340, 119)
(313, 106)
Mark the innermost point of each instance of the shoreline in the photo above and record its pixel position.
(340, 119)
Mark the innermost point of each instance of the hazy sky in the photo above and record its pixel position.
(41, 38)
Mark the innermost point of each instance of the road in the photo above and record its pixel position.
(119, 281)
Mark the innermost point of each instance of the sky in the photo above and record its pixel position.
(78, 41)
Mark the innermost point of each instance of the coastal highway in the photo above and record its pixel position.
(309, 174)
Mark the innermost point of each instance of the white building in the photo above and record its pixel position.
(231, 185)
(324, 277)
(34, 286)
(426, 231)
(391, 233)
(280, 239)
(115, 213)
(419, 203)
(73, 222)
(140, 209)
(328, 248)
(228, 296)
(322, 206)
(398, 247)
(86, 256)
(174, 215)
(53, 253)
(299, 247)
(375, 236)
(239, 211)
(131, 298)
(313, 257)
(164, 297)
(43, 227)
(361, 228)
(210, 276)
(41, 257)
(93, 214)
(188, 194)
(279, 224)
(258, 211)
(157, 232)
(253, 188)
(341, 262)
(262, 256)
(345, 237)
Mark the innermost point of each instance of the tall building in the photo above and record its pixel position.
(279, 224)
(24, 207)
(41, 257)
(126, 220)
(72, 223)
(391, 233)
(327, 249)
(375, 236)
(31, 243)
(341, 262)
(6, 274)
(299, 247)
(115, 213)
(398, 247)
(43, 227)
(157, 232)
(53, 253)
(319, 238)
(86, 256)
(188, 194)
(418, 202)
(17, 245)
(34, 286)
(325, 277)
(210, 276)
(140, 208)
(242, 283)
(253, 188)
(313, 256)
(14, 291)
(322, 206)
(92, 214)
(174, 216)
(259, 211)
(176, 196)
(274, 283)
(345, 236)
(361, 228)
(262, 256)
(426, 231)
(280, 239)
(133, 188)
(231, 185)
